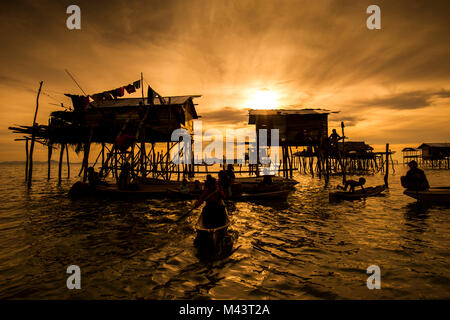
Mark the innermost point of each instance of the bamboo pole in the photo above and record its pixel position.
(257, 153)
(87, 148)
(386, 175)
(26, 160)
(103, 154)
(61, 154)
(68, 162)
(49, 160)
(33, 136)
(343, 164)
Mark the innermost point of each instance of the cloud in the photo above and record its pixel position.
(404, 101)
(315, 54)
(225, 115)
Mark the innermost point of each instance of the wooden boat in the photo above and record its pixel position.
(80, 189)
(210, 237)
(432, 195)
(248, 184)
(358, 194)
(274, 195)
(177, 194)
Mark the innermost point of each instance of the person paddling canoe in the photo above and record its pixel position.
(214, 212)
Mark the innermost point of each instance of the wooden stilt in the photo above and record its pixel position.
(68, 162)
(257, 153)
(49, 160)
(143, 159)
(26, 160)
(61, 154)
(103, 154)
(33, 135)
(87, 148)
(386, 175)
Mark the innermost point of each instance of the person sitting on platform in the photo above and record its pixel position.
(125, 141)
(214, 212)
(334, 137)
(415, 178)
(353, 184)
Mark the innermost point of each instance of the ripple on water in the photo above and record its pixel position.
(305, 248)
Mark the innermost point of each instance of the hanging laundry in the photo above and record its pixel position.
(130, 88)
(150, 96)
(78, 102)
(86, 101)
(98, 98)
(119, 92)
(107, 96)
(137, 84)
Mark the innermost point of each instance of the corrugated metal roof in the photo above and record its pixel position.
(409, 149)
(130, 102)
(283, 112)
(436, 145)
(358, 146)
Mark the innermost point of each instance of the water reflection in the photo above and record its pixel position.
(303, 248)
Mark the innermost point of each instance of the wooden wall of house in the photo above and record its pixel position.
(435, 153)
(295, 127)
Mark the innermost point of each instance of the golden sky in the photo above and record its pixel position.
(390, 85)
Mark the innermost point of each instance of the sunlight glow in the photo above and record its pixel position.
(263, 99)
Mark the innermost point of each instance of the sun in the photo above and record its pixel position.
(263, 99)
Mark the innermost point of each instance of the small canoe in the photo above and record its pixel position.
(176, 194)
(209, 237)
(248, 184)
(274, 195)
(432, 195)
(358, 194)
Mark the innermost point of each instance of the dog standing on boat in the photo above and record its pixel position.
(353, 184)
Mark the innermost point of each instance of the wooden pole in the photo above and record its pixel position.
(143, 158)
(26, 160)
(87, 148)
(50, 149)
(68, 162)
(142, 88)
(33, 136)
(257, 153)
(61, 154)
(167, 161)
(386, 175)
(343, 164)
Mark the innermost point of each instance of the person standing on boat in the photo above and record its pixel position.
(224, 183)
(125, 177)
(214, 212)
(93, 178)
(415, 178)
(230, 173)
(231, 178)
